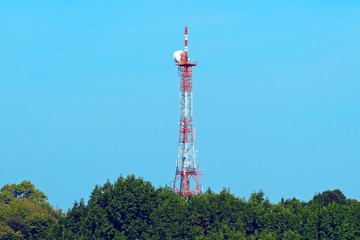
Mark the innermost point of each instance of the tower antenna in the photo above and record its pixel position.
(187, 170)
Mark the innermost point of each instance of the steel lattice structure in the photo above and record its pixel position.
(187, 170)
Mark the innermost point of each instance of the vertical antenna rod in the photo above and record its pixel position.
(186, 43)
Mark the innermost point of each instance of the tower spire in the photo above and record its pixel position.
(186, 42)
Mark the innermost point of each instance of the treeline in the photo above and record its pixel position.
(132, 208)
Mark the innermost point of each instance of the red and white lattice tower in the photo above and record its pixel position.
(187, 171)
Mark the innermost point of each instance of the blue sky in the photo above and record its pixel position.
(89, 91)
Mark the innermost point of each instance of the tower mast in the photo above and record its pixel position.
(187, 170)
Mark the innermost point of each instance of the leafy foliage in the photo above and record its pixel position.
(24, 212)
(327, 197)
(131, 208)
(7, 232)
(25, 190)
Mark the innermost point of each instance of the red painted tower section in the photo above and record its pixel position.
(187, 171)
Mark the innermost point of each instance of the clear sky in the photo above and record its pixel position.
(89, 91)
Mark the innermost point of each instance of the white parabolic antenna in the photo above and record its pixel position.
(177, 56)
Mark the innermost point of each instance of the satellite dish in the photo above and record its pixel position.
(177, 56)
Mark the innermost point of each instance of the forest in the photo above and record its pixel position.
(132, 208)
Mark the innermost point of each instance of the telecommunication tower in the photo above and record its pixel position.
(187, 171)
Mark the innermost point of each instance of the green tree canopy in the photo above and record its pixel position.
(131, 208)
(327, 197)
(25, 213)
(25, 190)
